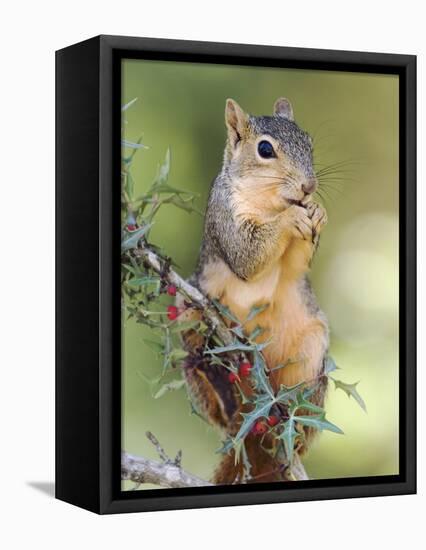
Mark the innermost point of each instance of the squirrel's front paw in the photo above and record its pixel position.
(298, 221)
(318, 215)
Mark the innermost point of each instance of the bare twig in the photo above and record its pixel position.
(159, 448)
(167, 473)
(143, 470)
(178, 459)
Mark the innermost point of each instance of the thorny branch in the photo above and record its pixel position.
(192, 293)
(169, 473)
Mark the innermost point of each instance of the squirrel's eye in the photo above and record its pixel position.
(265, 150)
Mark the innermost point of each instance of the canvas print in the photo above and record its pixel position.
(259, 275)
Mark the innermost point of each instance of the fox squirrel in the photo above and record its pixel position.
(261, 231)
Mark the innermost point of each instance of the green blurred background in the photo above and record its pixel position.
(352, 117)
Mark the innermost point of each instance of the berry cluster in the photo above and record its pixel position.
(261, 426)
(244, 371)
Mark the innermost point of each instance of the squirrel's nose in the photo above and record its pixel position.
(309, 186)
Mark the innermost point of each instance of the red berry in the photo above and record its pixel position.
(245, 369)
(272, 420)
(259, 428)
(171, 290)
(131, 227)
(232, 377)
(172, 312)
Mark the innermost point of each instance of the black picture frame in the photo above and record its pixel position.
(88, 329)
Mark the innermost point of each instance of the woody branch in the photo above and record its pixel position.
(166, 473)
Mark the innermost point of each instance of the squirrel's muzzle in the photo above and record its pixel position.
(309, 186)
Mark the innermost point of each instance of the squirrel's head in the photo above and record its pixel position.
(268, 158)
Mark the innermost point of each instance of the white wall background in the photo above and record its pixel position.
(29, 34)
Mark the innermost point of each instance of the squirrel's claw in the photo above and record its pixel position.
(299, 221)
(318, 216)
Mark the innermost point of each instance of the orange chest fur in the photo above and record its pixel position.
(284, 320)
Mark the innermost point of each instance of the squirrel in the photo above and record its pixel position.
(261, 231)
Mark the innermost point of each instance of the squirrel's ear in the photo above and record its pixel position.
(236, 121)
(282, 107)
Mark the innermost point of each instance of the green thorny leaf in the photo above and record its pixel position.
(161, 193)
(170, 386)
(227, 445)
(160, 185)
(318, 421)
(262, 406)
(152, 382)
(129, 104)
(134, 269)
(155, 346)
(241, 456)
(256, 332)
(133, 144)
(129, 186)
(172, 356)
(177, 354)
(165, 388)
(303, 403)
(265, 398)
(255, 310)
(329, 365)
(236, 346)
(226, 312)
(260, 378)
(288, 437)
(142, 281)
(132, 240)
(350, 390)
(290, 394)
(164, 170)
